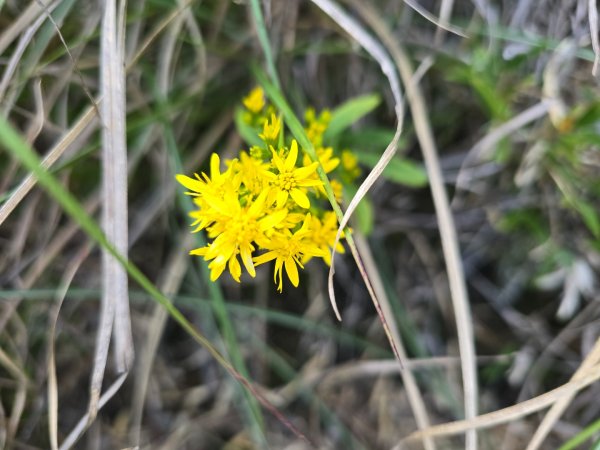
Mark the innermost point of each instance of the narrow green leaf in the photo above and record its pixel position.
(373, 139)
(11, 141)
(233, 349)
(399, 170)
(263, 38)
(589, 216)
(585, 434)
(350, 112)
(248, 134)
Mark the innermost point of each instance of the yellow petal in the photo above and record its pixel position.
(306, 171)
(217, 266)
(292, 271)
(234, 268)
(261, 259)
(272, 219)
(327, 258)
(277, 274)
(190, 183)
(305, 225)
(247, 260)
(215, 162)
(199, 251)
(258, 204)
(282, 197)
(300, 198)
(277, 161)
(290, 161)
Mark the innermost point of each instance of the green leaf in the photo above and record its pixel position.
(399, 170)
(248, 133)
(372, 139)
(364, 214)
(589, 216)
(350, 112)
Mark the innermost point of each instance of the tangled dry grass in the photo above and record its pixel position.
(486, 332)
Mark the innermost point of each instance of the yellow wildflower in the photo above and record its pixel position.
(271, 130)
(255, 101)
(316, 126)
(290, 180)
(237, 228)
(214, 183)
(322, 233)
(326, 158)
(253, 173)
(287, 250)
(260, 202)
(350, 163)
(338, 190)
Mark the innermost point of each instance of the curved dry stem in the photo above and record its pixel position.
(458, 288)
(590, 364)
(512, 412)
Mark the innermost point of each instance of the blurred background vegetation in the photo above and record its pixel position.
(514, 109)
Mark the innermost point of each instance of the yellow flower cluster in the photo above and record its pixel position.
(265, 205)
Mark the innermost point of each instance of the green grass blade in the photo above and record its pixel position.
(263, 38)
(248, 134)
(349, 113)
(250, 404)
(399, 170)
(585, 434)
(11, 141)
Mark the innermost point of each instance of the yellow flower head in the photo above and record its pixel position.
(253, 173)
(322, 233)
(290, 181)
(255, 101)
(326, 158)
(257, 210)
(287, 250)
(350, 163)
(236, 229)
(271, 130)
(204, 184)
(316, 126)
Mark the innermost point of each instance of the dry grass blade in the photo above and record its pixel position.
(114, 315)
(410, 383)
(51, 157)
(85, 421)
(458, 288)
(559, 66)
(369, 44)
(375, 288)
(37, 124)
(588, 366)
(52, 379)
(355, 30)
(593, 16)
(156, 31)
(442, 23)
(19, 399)
(33, 10)
(2, 427)
(76, 131)
(445, 14)
(17, 55)
(512, 412)
(175, 269)
(114, 182)
(482, 149)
